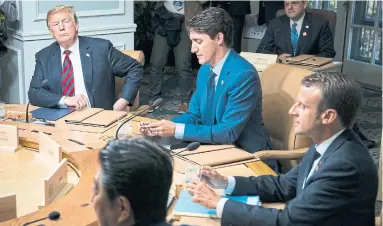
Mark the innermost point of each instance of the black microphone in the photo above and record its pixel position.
(54, 215)
(155, 104)
(191, 147)
(42, 85)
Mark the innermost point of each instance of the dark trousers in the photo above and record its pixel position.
(182, 56)
(239, 22)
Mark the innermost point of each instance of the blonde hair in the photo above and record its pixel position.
(61, 8)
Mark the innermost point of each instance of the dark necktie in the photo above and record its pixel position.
(210, 98)
(313, 156)
(67, 77)
(294, 37)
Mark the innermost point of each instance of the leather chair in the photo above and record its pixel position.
(139, 56)
(8, 207)
(327, 14)
(280, 86)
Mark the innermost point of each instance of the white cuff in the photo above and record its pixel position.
(230, 185)
(61, 102)
(220, 205)
(180, 129)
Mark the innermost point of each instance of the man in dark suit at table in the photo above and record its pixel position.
(132, 184)
(298, 32)
(80, 71)
(335, 183)
(226, 107)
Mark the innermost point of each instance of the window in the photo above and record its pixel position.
(322, 4)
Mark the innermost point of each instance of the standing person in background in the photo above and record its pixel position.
(237, 10)
(8, 13)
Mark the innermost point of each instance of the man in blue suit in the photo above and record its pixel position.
(226, 107)
(336, 182)
(80, 71)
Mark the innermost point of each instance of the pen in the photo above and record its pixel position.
(76, 141)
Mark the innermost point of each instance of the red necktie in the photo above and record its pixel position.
(67, 82)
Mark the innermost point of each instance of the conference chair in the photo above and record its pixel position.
(139, 56)
(7, 207)
(327, 14)
(280, 86)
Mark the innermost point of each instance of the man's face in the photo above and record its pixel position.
(295, 9)
(305, 111)
(63, 27)
(204, 47)
(107, 214)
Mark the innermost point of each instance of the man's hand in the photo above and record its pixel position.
(283, 57)
(203, 194)
(120, 105)
(213, 178)
(163, 128)
(79, 102)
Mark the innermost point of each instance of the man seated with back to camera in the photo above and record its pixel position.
(226, 107)
(80, 71)
(132, 184)
(300, 32)
(336, 182)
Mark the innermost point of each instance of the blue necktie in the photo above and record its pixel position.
(294, 37)
(210, 92)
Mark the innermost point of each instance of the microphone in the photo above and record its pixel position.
(155, 104)
(54, 215)
(191, 147)
(42, 85)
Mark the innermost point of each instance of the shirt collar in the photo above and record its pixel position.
(299, 22)
(218, 67)
(322, 147)
(74, 48)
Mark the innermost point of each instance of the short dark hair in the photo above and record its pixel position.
(339, 92)
(212, 21)
(141, 171)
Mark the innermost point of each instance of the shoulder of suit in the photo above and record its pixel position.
(47, 51)
(94, 41)
(318, 19)
(242, 64)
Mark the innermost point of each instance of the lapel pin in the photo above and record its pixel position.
(307, 26)
(222, 82)
(304, 33)
(87, 54)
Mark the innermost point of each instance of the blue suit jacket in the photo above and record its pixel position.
(342, 191)
(237, 108)
(100, 62)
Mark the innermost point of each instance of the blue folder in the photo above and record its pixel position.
(186, 207)
(51, 114)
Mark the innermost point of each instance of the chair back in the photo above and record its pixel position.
(8, 207)
(139, 56)
(280, 87)
(326, 14)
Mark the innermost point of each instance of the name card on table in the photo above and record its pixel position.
(9, 140)
(56, 182)
(259, 60)
(50, 151)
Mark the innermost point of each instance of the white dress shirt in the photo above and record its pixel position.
(79, 84)
(180, 127)
(299, 24)
(321, 149)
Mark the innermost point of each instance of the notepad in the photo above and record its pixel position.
(186, 207)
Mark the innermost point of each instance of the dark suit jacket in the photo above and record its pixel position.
(236, 111)
(341, 192)
(234, 8)
(100, 63)
(317, 41)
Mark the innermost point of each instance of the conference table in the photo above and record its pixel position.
(75, 206)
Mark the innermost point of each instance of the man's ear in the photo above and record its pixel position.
(124, 208)
(329, 116)
(220, 38)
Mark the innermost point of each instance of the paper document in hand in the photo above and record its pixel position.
(186, 207)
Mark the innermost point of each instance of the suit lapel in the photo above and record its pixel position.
(305, 33)
(86, 63)
(222, 80)
(56, 68)
(335, 145)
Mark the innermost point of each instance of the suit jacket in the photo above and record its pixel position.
(192, 8)
(341, 192)
(315, 37)
(100, 62)
(234, 8)
(237, 108)
(268, 10)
